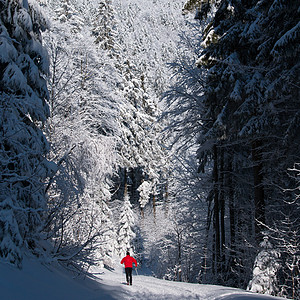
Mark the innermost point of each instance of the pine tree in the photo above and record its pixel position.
(126, 225)
(265, 270)
(145, 190)
(23, 109)
(104, 24)
(66, 12)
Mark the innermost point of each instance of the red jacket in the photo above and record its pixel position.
(128, 261)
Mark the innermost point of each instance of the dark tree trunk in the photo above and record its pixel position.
(259, 202)
(216, 210)
(231, 208)
(154, 206)
(125, 182)
(207, 242)
(166, 197)
(222, 208)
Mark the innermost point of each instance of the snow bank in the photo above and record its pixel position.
(38, 282)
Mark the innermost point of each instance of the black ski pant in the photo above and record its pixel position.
(128, 272)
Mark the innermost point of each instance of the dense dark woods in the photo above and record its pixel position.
(249, 115)
(251, 98)
(168, 128)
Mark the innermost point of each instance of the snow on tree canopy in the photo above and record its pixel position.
(290, 37)
(145, 190)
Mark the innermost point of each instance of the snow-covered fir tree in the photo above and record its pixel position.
(126, 232)
(23, 109)
(68, 13)
(265, 270)
(104, 25)
(145, 190)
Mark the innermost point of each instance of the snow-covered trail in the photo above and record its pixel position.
(45, 282)
(150, 288)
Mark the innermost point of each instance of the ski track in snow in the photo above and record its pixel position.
(150, 288)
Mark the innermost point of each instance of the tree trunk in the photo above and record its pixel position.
(142, 213)
(231, 208)
(216, 210)
(222, 208)
(166, 196)
(207, 242)
(259, 202)
(125, 182)
(154, 207)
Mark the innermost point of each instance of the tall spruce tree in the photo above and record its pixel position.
(23, 109)
(126, 232)
(104, 23)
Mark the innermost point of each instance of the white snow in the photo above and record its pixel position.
(40, 282)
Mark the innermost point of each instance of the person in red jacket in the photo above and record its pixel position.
(128, 261)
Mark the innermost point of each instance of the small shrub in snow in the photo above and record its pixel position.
(266, 265)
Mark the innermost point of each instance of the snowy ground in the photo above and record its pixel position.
(38, 282)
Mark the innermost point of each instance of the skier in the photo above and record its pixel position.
(128, 261)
